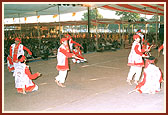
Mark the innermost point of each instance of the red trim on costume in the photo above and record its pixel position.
(11, 69)
(143, 47)
(136, 64)
(19, 90)
(137, 51)
(27, 89)
(141, 83)
(67, 54)
(78, 53)
(16, 51)
(161, 78)
(30, 88)
(69, 37)
(10, 50)
(10, 60)
(25, 48)
(143, 50)
(31, 76)
(64, 67)
(161, 47)
(22, 59)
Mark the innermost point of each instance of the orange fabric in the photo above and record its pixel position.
(160, 48)
(22, 59)
(27, 89)
(136, 36)
(25, 48)
(10, 60)
(137, 51)
(11, 69)
(16, 52)
(67, 54)
(141, 83)
(31, 76)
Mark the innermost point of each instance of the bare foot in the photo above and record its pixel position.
(57, 82)
(61, 85)
(136, 82)
(24, 93)
(129, 82)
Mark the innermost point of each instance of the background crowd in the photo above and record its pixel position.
(47, 46)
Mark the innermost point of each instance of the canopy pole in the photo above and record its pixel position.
(145, 23)
(119, 28)
(96, 31)
(38, 30)
(123, 43)
(156, 26)
(59, 23)
(38, 26)
(89, 21)
(55, 29)
(132, 28)
(122, 40)
(145, 29)
(14, 24)
(20, 25)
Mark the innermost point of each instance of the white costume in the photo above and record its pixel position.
(62, 61)
(135, 61)
(152, 77)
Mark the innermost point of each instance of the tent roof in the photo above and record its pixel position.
(148, 9)
(25, 10)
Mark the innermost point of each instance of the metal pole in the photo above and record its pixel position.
(89, 21)
(59, 23)
(38, 26)
(145, 29)
(38, 31)
(20, 25)
(157, 25)
(96, 31)
(123, 43)
(122, 40)
(145, 25)
(132, 28)
(119, 28)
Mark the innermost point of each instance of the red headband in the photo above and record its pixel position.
(139, 31)
(17, 39)
(63, 39)
(135, 37)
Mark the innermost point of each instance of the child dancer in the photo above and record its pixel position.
(152, 78)
(23, 77)
(135, 60)
(78, 53)
(16, 50)
(62, 61)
